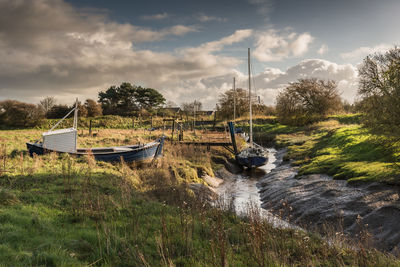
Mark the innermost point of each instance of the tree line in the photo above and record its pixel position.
(301, 102)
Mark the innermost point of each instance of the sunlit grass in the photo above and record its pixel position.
(66, 211)
(345, 151)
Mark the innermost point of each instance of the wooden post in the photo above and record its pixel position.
(215, 119)
(172, 130)
(180, 132)
(90, 128)
(194, 117)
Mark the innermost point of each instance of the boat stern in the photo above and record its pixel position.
(35, 148)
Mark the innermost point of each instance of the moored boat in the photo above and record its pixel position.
(65, 141)
(254, 155)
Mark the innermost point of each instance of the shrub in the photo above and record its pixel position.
(307, 101)
(19, 114)
(58, 111)
(379, 89)
(93, 108)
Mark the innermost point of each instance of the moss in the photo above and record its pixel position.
(64, 211)
(349, 152)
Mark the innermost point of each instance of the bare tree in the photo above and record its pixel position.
(379, 89)
(93, 108)
(47, 103)
(307, 100)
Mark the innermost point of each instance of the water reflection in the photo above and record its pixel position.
(241, 189)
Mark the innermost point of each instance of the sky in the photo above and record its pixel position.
(188, 50)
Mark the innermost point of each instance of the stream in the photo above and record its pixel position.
(242, 189)
(316, 201)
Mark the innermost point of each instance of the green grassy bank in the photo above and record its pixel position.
(64, 211)
(339, 146)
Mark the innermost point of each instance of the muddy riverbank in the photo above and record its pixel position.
(318, 202)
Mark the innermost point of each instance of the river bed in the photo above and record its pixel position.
(315, 201)
(241, 189)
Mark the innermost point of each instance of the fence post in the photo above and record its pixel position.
(90, 128)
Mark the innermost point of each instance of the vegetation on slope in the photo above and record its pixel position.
(337, 147)
(64, 211)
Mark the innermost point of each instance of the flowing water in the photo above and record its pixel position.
(242, 189)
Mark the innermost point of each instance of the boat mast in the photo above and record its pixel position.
(251, 115)
(234, 100)
(76, 115)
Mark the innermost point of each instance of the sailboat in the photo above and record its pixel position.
(254, 155)
(65, 141)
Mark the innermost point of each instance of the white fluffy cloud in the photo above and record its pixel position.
(272, 80)
(363, 51)
(55, 49)
(323, 49)
(273, 45)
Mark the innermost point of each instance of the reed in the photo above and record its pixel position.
(76, 212)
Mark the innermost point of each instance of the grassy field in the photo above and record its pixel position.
(65, 211)
(339, 146)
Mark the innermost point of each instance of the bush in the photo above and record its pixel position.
(19, 114)
(380, 91)
(307, 101)
(58, 112)
(93, 108)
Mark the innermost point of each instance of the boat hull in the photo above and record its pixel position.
(251, 162)
(127, 153)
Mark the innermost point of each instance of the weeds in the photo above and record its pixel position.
(78, 212)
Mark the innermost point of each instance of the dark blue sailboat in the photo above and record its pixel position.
(255, 155)
(251, 157)
(65, 141)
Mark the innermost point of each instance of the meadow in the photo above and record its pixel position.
(65, 211)
(339, 146)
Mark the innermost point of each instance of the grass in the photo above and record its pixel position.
(337, 147)
(65, 211)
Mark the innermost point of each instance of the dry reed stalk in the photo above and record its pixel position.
(3, 159)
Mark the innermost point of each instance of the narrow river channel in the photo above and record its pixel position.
(242, 189)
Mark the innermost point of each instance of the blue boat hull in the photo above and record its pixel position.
(136, 153)
(251, 162)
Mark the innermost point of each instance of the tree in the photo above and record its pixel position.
(148, 98)
(93, 108)
(226, 102)
(189, 107)
(379, 90)
(307, 100)
(47, 103)
(58, 112)
(19, 114)
(82, 110)
(127, 99)
(170, 104)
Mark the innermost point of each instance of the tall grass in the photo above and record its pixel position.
(61, 210)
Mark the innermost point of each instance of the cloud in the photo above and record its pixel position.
(160, 16)
(323, 49)
(273, 45)
(268, 83)
(204, 18)
(263, 6)
(56, 49)
(364, 51)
